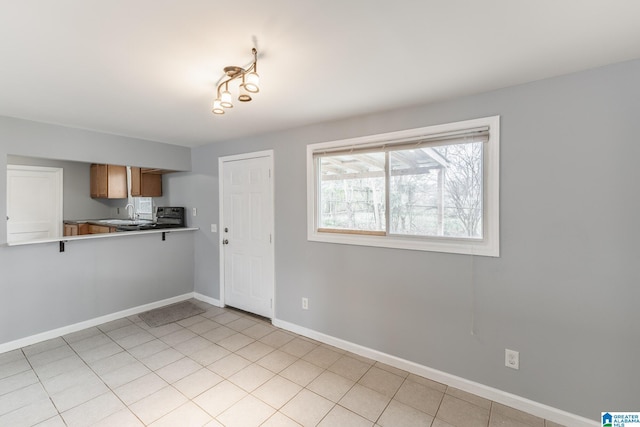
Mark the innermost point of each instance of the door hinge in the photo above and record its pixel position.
(270, 238)
(271, 302)
(269, 173)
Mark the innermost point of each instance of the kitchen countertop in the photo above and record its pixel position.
(102, 235)
(121, 224)
(105, 221)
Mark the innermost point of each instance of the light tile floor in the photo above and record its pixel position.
(223, 368)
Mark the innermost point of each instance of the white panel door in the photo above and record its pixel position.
(247, 234)
(34, 203)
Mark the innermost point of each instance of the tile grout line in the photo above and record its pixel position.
(238, 330)
(98, 375)
(404, 380)
(39, 382)
(151, 371)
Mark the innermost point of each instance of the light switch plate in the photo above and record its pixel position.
(214, 228)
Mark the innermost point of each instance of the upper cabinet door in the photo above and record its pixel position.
(136, 190)
(145, 183)
(151, 185)
(98, 183)
(108, 181)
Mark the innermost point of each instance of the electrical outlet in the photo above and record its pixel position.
(511, 359)
(305, 303)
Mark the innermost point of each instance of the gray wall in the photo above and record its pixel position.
(564, 291)
(42, 289)
(200, 191)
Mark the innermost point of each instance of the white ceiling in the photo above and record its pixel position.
(148, 68)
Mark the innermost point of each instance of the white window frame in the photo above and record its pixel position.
(137, 203)
(489, 245)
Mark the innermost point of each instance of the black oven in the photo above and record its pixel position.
(170, 217)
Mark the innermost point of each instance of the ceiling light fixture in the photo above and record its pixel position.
(250, 84)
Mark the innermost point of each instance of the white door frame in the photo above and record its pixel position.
(221, 162)
(57, 175)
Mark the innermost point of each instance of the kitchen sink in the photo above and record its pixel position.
(136, 227)
(124, 222)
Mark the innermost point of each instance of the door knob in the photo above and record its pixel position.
(226, 230)
(225, 242)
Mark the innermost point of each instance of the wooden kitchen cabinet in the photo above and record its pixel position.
(71, 229)
(151, 185)
(145, 183)
(79, 229)
(108, 181)
(99, 229)
(136, 189)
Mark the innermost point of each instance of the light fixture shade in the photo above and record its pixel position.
(225, 99)
(246, 79)
(245, 95)
(252, 82)
(217, 107)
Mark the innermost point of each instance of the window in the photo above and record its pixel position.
(143, 207)
(433, 188)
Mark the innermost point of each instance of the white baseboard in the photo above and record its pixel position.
(512, 400)
(55, 333)
(207, 299)
(538, 409)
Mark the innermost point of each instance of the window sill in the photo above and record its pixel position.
(446, 245)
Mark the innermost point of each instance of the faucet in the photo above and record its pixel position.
(133, 210)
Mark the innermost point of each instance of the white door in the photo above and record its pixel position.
(34, 203)
(246, 232)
